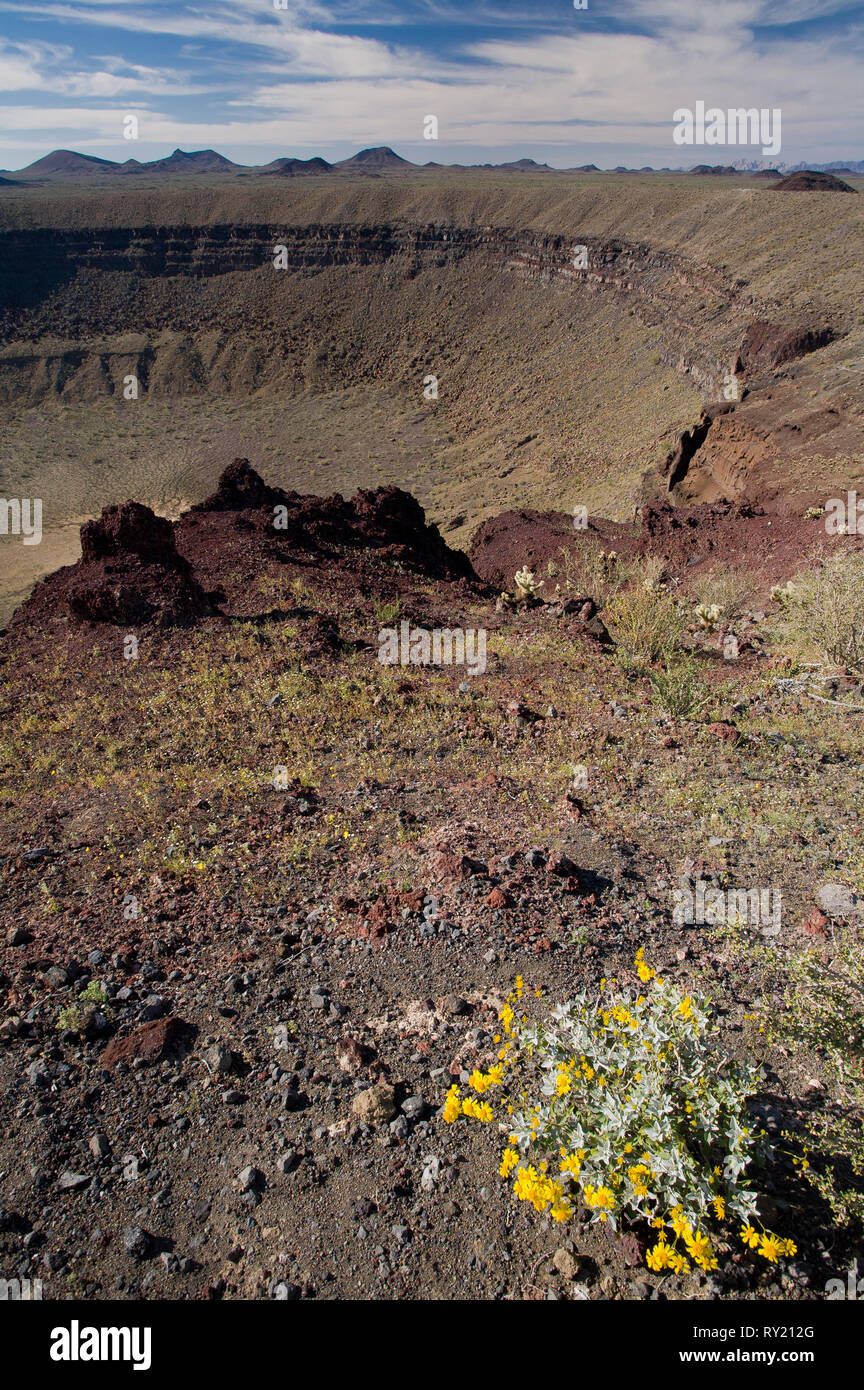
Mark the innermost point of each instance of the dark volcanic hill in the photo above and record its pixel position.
(193, 162)
(811, 181)
(292, 168)
(70, 162)
(379, 157)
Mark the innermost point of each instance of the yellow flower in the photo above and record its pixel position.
(477, 1109)
(572, 1163)
(523, 1183)
(660, 1257)
(644, 971)
(637, 1175)
(540, 1191)
(770, 1247)
(679, 1225)
(563, 1084)
(509, 1160)
(750, 1236)
(452, 1106)
(699, 1249)
(599, 1197)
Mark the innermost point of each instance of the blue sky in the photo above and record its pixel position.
(504, 79)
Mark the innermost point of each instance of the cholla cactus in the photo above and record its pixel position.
(783, 593)
(708, 615)
(527, 586)
(654, 577)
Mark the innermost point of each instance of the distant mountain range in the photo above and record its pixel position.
(837, 166)
(69, 163)
(64, 164)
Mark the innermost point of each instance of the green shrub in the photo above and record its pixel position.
(74, 1015)
(731, 590)
(624, 1106)
(678, 688)
(645, 625)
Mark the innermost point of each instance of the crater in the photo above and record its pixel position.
(474, 347)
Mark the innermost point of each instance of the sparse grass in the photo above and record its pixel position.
(822, 1019)
(73, 1015)
(154, 737)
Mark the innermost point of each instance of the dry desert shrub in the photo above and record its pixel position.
(823, 612)
(646, 626)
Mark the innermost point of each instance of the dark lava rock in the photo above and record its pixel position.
(240, 487)
(385, 520)
(136, 1242)
(129, 529)
(130, 574)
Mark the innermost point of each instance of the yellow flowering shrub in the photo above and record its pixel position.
(624, 1105)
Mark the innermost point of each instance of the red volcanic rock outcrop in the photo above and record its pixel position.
(392, 522)
(128, 529)
(767, 545)
(503, 544)
(772, 344)
(139, 569)
(129, 574)
(240, 487)
(385, 520)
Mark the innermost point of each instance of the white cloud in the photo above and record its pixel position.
(306, 88)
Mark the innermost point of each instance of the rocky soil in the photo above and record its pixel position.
(262, 898)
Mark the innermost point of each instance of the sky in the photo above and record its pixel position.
(503, 79)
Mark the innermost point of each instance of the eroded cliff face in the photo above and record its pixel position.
(535, 329)
(186, 309)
